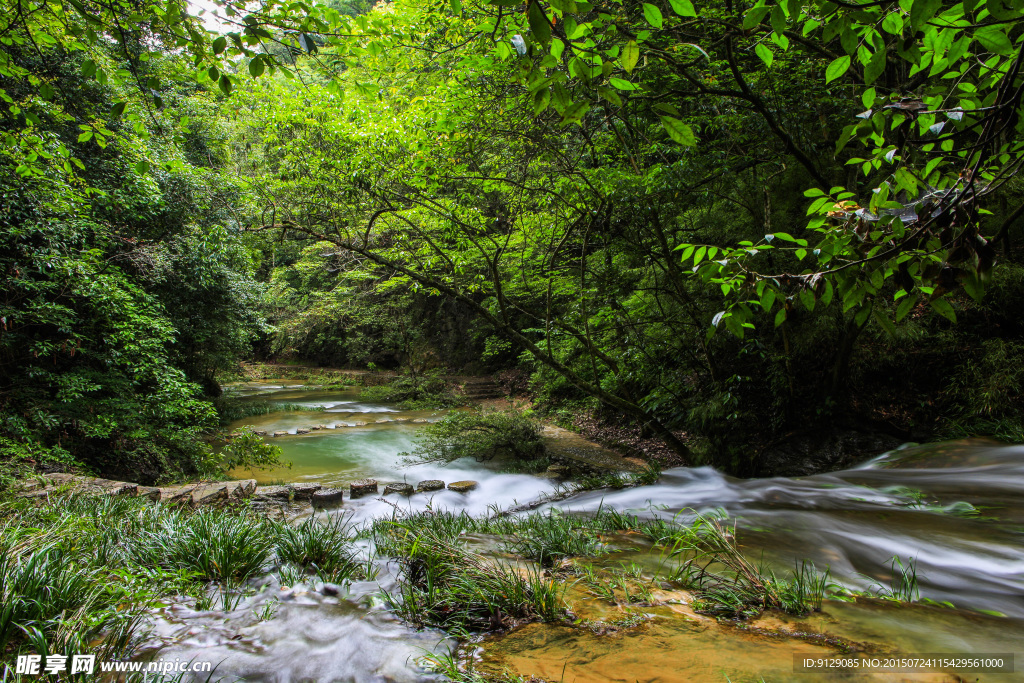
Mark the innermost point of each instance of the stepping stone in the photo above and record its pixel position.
(385, 420)
(280, 433)
(327, 498)
(260, 432)
(462, 486)
(340, 425)
(430, 485)
(362, 487)
(421, 420)
(274, 492)
(304, 491)
(358, 424)
(301, 430)
(403, 489)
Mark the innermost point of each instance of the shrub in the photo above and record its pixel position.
(481, 435)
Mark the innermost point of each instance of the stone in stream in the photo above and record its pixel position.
(259, 432)
(362, 487)
(302, 430)
(273, 492)
(280, 432)
(421, 420)
(403, 489)
(358, 424)
(462, 486)
(304, 491)
(386, 419)
(327, 498)
(430, 485)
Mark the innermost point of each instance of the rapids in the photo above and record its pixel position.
(955, 509)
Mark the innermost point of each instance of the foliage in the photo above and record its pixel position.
(249, 451)
(413, 392)
(482, 435)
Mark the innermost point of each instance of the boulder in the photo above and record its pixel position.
(462, 486)
(327, 498)
(362, 487)
(280, 432)
(430, 485)
(302, 430)
(319, 426)
(259, 432)
(400, 488)
(203, 494)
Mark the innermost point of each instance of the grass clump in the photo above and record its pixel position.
(442, 584)
(322, 547)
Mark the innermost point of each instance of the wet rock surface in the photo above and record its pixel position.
(362, 487)
(462, 486)
(430, 485)
(400, 488)
(201, 493)
(327, 498)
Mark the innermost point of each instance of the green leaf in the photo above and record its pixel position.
(807, 299)
(610, 95)
(256, 66)
(85, 137)
(539, 24)
(630, 55)
(118, 109)
(456, 6)
(653, 15)
(541, 100)
(622, 84)
(683, 8)
(219, 44)
(837, 68)
(884, 322)
(225, 84)
(905, 307)
(679, 131)
(942, 307)
(923, 10)
(764, 53)
(994, 39)
(754, 17)
(142, 167)
(780, 317)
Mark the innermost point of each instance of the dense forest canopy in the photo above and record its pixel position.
(729, 221)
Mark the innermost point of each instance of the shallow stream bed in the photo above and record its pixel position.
(955, 510)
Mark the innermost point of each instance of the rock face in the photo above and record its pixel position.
(430, 485)
(403, 489)
(362, 487)
(462, 486)
(327, 498)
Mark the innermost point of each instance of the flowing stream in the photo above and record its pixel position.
(955, 509)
